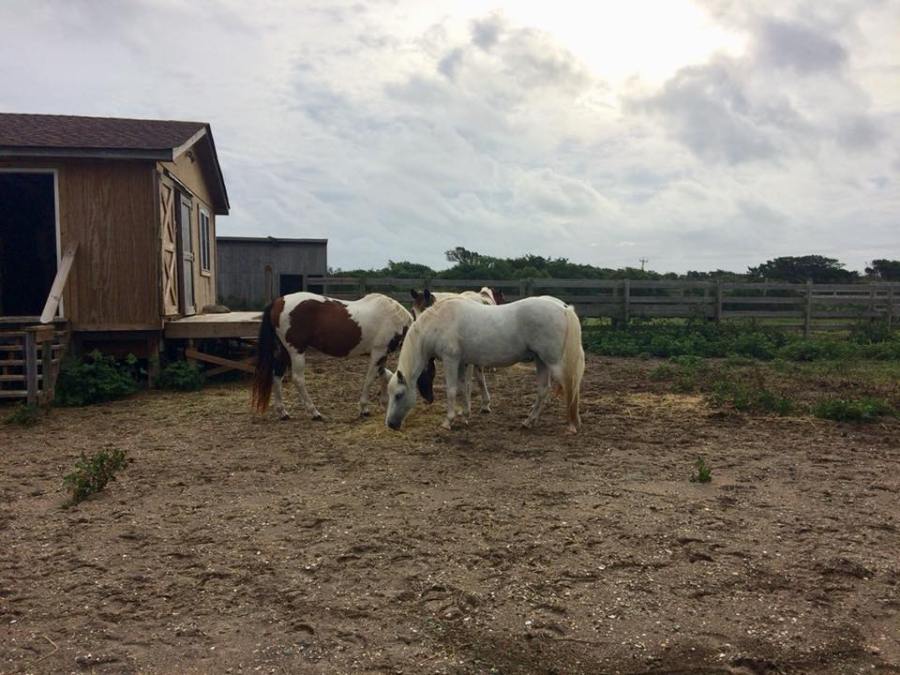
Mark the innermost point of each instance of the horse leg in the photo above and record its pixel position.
(298, 367)
(280, 368)
(278, 396)
(367, 384)
(556, 372)
(385, 376)
(485, 394)
(542, 373)
(465, 376)
(451, 372)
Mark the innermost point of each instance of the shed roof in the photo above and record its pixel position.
(272, 240)
(31, 135)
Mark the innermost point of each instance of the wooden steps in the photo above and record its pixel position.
(30, 358)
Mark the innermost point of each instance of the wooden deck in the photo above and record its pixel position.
(234, 325)
(203, 326)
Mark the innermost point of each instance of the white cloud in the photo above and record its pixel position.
(401, 129)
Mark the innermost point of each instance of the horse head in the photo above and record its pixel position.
(421, 301)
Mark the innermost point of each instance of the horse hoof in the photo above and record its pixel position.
(571, 430)
(446, 425)
(284, 416)
(527, 424)
(364, 413)
(485, 410)
(318, 417)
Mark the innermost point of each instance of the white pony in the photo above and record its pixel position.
(292, 324)
(460, 332)
(486, 296)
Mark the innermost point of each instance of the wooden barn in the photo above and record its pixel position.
(107, 227)
(255, 270)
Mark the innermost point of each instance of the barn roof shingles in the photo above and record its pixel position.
(30, 135)
(108, 133)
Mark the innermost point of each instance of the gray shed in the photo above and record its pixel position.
(252, 271)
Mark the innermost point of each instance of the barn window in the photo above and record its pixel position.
(204, 241)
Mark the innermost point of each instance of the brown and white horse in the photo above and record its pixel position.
(292, 324)
(486, 296)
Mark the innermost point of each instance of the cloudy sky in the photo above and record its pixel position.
(699, 135)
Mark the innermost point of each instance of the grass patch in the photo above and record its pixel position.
(91, 474)
(181, 376)
(24, 415)
(853, 410)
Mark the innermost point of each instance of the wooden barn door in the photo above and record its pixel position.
(169, 233)
(186, 257)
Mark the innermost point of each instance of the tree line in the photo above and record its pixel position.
(473, 265)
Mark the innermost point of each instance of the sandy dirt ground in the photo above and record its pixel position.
(237, 544)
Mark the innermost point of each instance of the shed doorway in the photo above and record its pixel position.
(28, 245)
(185, 255)
(290, 283)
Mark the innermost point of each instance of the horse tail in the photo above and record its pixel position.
(265, 362)
(572, 368)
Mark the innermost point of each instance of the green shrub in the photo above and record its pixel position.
(92, 473)
(181, 376)
(704, 472)
(94, 379)
(872, 332)
(737, 340)
(24, 415)
(853, 410)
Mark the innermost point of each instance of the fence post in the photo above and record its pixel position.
(807, 318)
(718, 301)
(890, 307)
(363, 287)
(47, 372)
(31, 367)
(626, 300)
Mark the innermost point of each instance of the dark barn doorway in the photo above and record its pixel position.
(27, 242)
(290, 283)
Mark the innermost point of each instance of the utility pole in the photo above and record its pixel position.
(644, 261)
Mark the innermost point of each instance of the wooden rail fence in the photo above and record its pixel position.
(806, 306)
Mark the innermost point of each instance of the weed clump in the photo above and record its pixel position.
(92, 473)
(749, 397)
(181, 376)
(24, 415)
(703, 472)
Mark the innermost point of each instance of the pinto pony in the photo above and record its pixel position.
(486, 296)
(459, 332)
(425, 299)
(373, 325)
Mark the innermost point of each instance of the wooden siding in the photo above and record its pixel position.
(242, 274)
(189, 173)
(108, 207)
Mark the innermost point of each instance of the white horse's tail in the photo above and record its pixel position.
(572, 368)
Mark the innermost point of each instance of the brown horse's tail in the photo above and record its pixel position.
(266, 347)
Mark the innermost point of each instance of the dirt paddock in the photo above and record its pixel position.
(237, 544)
